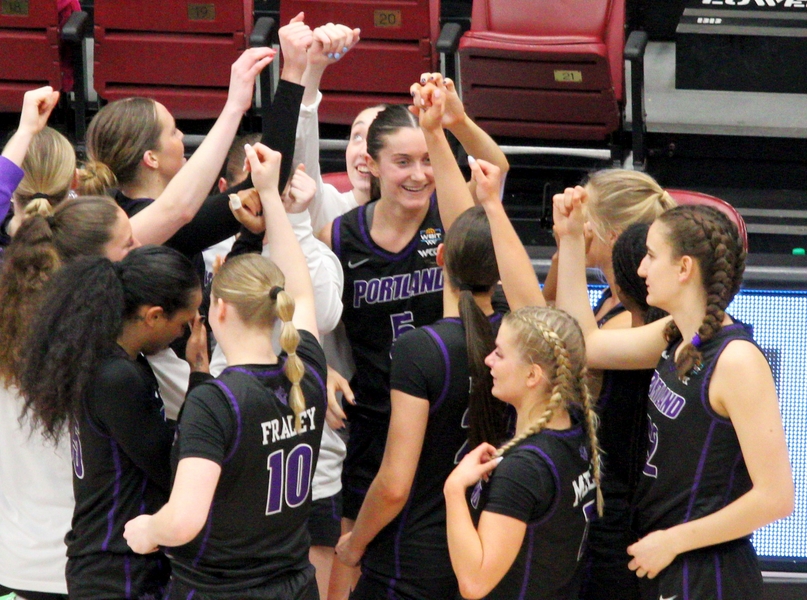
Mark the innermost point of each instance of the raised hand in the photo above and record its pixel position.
(301, 190)
(295, 39)
(568, 211)
(330, 43)
(488, 178)
(243, 73)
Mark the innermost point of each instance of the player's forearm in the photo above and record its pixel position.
(381, 505)
(464, 543)
(518, 278)
(453, 196)
(171, 527)
(742, 517)
(479, 144)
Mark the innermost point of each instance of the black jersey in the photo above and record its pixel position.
(694, 463)
(431, 363)
(256, 529)
(121, 447)
(385, 295)
(546, 482)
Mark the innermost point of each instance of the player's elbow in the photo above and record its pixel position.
(186, 526)
(473, 588)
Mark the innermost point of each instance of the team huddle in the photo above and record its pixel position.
(285, 391)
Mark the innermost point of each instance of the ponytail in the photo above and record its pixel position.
(80, 318)
(254, 286)
(294, 368)
(75, 328)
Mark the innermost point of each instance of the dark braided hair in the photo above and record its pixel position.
(470, 263)
(708, 236)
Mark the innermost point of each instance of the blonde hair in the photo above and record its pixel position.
(254, 286)
(49, 167)
(117, 138)
(552, 339)
(620, 198)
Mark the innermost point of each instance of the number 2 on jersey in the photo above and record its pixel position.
(289, 479)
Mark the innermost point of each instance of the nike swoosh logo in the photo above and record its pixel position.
(670, 598)
(358, 263)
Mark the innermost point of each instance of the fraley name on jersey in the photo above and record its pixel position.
(283, 428)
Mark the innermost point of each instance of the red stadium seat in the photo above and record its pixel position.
(547, 69)
(36, 38)
(397, 45)
(175, 52)
(686, 197)
(340, 181)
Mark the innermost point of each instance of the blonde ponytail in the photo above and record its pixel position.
(294, 368)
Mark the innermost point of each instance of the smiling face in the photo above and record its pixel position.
(404, 170)
(356, 152)
(660, 268)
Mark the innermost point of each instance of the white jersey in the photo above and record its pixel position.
(36, 503)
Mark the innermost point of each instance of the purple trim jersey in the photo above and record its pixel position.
(121, 448)
(430, 363)
(545, 481)
(385, 295)
(694, 463)
(256, 529)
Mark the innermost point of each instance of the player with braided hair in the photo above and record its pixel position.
(533, 513)
(717, 464)
(248, 440)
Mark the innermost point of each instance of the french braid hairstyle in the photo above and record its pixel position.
(712, 239)
(552, 339)
(470, 264)
(253, 284)
(386, 123)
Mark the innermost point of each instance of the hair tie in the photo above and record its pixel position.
(696, 340)
(50, 221)
(276, 289)
(474, 289)
(40, 195)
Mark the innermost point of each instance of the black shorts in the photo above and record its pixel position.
(365, 450)
(726, 571)
(107, 576)
(605, 564)
(299, 585)
(325, 521)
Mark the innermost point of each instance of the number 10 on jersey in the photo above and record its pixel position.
(289, 478)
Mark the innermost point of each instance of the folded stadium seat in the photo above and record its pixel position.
(551, 70)
(41, 44)
(175, 52)
(339, 180)
(687, 197)
(397, 44)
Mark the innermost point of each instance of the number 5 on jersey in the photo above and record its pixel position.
(289, 479)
